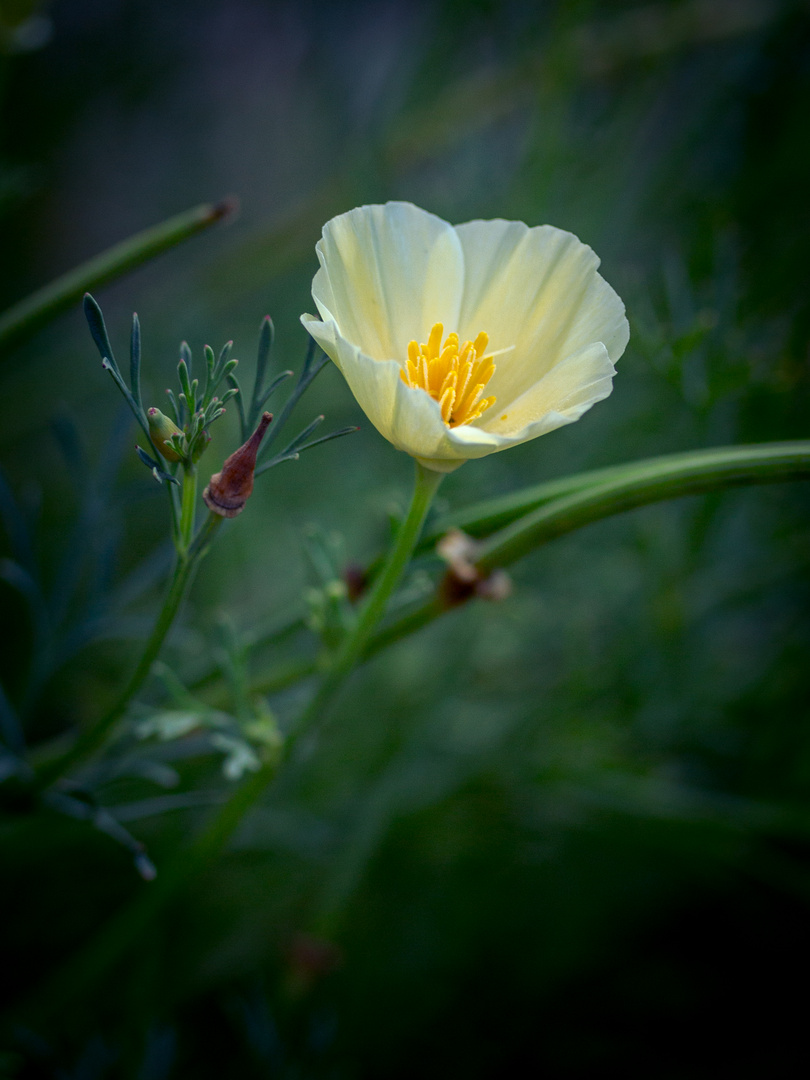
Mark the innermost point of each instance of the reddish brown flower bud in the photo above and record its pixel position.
(356, 581)
(310, 959)
(463, 579)
(229, 490)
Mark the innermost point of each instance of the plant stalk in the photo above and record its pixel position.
(188, 506)
(91, 740)
(373, 608)
(119, 934)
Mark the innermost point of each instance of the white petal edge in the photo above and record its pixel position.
(539, 290)
(560, 397)
(387, 273)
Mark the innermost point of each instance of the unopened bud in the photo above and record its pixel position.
(161, 428)
(464, 579)
(229, 490)
(356, 579)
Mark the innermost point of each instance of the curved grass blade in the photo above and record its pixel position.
(663, 478)
(24, 318)
(484, 518)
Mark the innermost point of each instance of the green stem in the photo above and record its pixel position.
(124, 928)
(91, 740)
(373, 608)
(25, 317)
(188, 506)
(663, 478)
(487, 517)
(785, 461)
(658, 479)
(615, 489)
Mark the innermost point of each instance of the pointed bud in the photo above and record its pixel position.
(229, 490)
(161, 428)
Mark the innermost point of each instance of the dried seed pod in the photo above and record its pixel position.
(229, 490)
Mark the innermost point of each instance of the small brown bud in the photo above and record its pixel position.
(310, 959)
(463, 579)
(229, 490)
(356, 580)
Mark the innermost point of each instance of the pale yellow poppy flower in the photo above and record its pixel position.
(458, 341)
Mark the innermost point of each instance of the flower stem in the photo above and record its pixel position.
(188, 506)
(354, 645)
(92, 739)
(669, 477)
(123, 929)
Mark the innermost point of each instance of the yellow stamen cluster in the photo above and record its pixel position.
(453, 375)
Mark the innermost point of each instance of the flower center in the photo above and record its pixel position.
(454, 375)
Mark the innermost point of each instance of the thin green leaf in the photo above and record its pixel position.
(277, 460)
(240, 407)
(303, 435)
(227, 370)
(311, 369)
(210, 364)
(37, 309)
(175, 407)
(98, 330)
(183, 374)
(274, 385)
(293, 452)
(84, 808)
(328, 438)
(309, 356)
(159, 473)
(135, 361)
(219, 369)
(130, 400)
(266, 338)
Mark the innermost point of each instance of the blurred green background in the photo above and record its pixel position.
(567, 835)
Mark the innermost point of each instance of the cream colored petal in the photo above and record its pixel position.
(408, 417)
(388, 273)
(560, 397)
(536, 289)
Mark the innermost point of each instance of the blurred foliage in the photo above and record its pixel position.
(570, 830)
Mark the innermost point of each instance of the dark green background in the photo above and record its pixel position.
(571, 829)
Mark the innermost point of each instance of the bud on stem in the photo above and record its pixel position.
(161, 428)
(229, 490)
